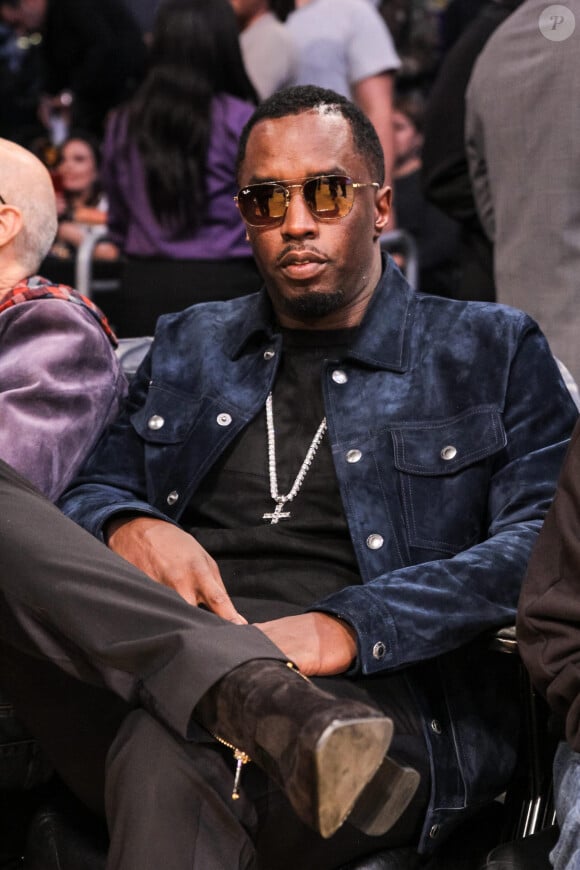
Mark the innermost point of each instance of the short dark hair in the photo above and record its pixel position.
(304, 98)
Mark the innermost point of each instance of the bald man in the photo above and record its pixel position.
(60, 382)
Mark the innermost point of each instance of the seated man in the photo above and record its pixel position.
(357, 471)
(60, 382)
(549, 641)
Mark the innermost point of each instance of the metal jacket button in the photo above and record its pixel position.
(339, 377)
(172, 497)
(375, 542)
(379, 650)
(353, 456)
(155, 422)
(269, 354)
(224, 419)
(449, 452)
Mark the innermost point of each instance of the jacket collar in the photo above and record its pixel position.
(381, 340)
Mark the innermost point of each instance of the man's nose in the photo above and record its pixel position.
(298, 220)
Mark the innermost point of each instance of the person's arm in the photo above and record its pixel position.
(423, 610)
(60, 385)
(374, 95)
(548, 624)
(110, 498)
(372, 61)
(478, 172)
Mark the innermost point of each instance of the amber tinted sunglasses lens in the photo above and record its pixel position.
(329, 197)
(262, 204)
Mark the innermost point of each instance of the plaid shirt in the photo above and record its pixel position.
(41, 288)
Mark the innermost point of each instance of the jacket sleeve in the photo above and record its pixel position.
(421, 611)
(60, 385)
(113, 480)
(476, 158)
(548, 624)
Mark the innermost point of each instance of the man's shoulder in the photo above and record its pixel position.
(207, 318)
(487, 323)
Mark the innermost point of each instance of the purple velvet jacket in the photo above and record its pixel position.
(60, 386)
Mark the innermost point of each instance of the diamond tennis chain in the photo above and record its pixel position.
(279, 513)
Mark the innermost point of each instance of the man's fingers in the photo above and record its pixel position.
(219, 602)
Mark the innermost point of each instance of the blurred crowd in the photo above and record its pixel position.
(136, 107)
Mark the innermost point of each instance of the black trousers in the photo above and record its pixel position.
(105, 667)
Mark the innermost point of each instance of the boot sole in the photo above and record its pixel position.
(385, 798)
(348, 753)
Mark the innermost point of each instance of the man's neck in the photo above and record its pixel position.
(10, 276)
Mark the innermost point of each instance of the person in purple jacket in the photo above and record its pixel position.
(60, 381)
(168, 168)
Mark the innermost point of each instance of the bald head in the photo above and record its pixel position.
(26, 185)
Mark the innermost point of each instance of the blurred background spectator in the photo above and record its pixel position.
(446, 181)
(267, 46)
(416, 28)
(169, 168)
(93, 54)
(523, 146)
(143, 11)
(81, 203)
(345, 45)
(20, 85)
(436, 235)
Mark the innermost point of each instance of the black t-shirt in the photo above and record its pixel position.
(274, 570)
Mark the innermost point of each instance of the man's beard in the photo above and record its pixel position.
(313, 305)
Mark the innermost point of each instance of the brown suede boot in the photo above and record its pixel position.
(320, 750)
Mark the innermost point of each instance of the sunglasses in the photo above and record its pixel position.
(329, 198)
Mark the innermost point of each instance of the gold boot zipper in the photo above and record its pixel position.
(240, 757)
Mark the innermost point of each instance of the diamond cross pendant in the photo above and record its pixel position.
(279, 514)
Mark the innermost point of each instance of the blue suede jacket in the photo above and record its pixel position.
(448, 423)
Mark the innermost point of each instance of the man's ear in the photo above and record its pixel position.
(382, 209)
(11, 223)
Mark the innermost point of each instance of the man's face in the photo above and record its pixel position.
(319, 274)
(407, 139)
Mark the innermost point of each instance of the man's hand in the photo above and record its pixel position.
(319, 644)
(174, 558)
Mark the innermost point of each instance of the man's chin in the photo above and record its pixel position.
(313, 305)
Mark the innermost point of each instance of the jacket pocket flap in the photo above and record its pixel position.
(166, 417)
(446, 446)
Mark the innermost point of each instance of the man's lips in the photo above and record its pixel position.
(299, 262)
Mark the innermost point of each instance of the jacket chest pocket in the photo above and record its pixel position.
(444, 470)
(163, 424)
(166, 417)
